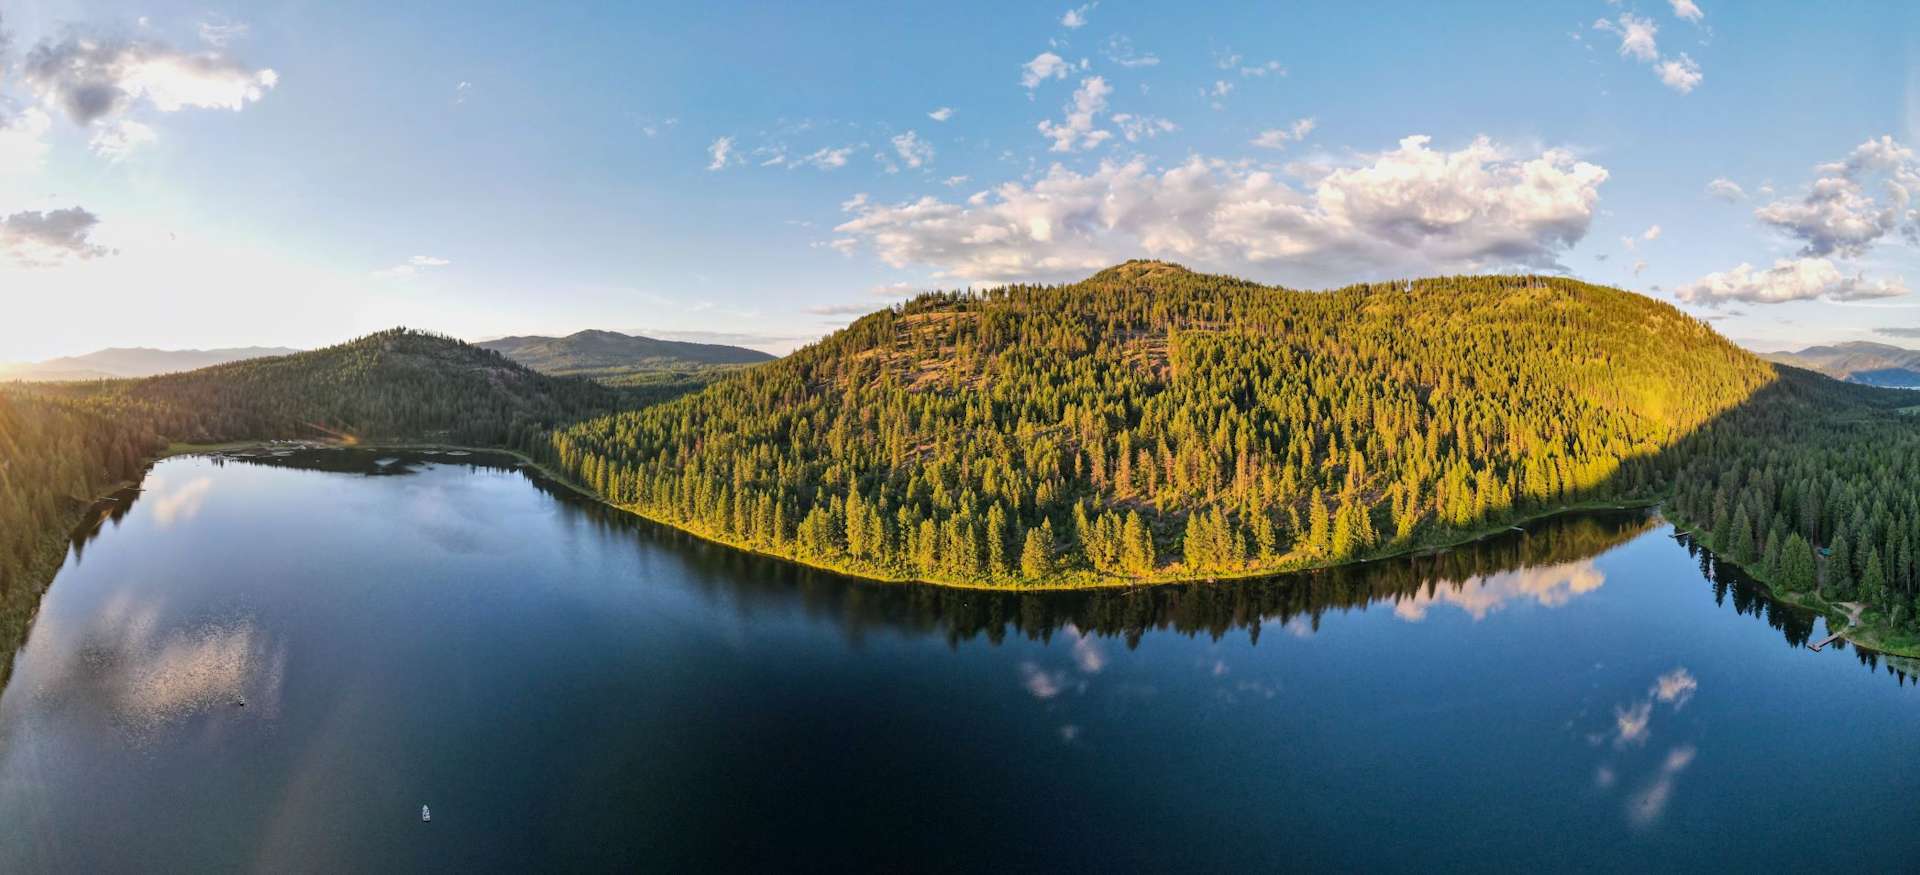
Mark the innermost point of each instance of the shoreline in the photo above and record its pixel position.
(1083, 585)
(1863, 636)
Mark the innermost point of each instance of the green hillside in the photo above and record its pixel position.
(1151, 423)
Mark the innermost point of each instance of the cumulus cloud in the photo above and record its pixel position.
(1044, 66)
(1077, 130)
(122, 138)
(1409, 209)
(1798, 279)
(1278, 138)
(1688, 10)
(1636, 36)
(1680, 74)
(720, 154)
(1726, 190)
(1076, 18)
(1638, 42)
(941, 114)
(33, 238)
(91, 78)
(913, 151)
(1652, 233)
(1839, 215)
(1142, 127)
(1274, 68)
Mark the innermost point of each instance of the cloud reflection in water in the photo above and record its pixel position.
(1550, 586)
(147, 674)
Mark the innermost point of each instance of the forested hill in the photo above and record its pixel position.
(603, 354)
(1151, 423)
(396, 384)
(64, 444)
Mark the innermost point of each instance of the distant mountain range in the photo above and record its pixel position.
(1872, 364)
(120, 362)
(612, 356)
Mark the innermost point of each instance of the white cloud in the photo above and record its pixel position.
(1078, 130)
(1652, 233)
(1636, 36)
(1405, 210)
(826, 159)
(23, 143)
(1278, 138)
(412, 266)
(1798, 279)
(1726, 190)
(1269, 68)
(941, 114)
(122, 138)
(1839, 216)
(1680, 74)
(1120, 51)
(1077, 18)
(92, 78)
(1142, 127)
(912, 150)
(33, 238)
(1044, 66)
(955, 181)
(1637, 41)
(1688, 10)
(219, 34)
(721, 153)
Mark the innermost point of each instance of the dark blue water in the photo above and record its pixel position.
(567, 688)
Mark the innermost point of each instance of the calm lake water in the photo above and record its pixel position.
(569, 688)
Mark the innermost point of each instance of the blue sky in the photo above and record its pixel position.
(189, 175)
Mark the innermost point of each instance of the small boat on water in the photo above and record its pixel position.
(426, 816)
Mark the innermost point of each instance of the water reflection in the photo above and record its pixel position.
(1550, 566)
(147, 670)
(1550, 587)
(177, 503)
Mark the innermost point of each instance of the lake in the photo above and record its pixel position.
(271, 664)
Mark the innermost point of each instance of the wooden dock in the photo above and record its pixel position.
(1826, 641)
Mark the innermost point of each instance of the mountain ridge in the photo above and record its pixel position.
(123, 362)
(605, 354)
(1859, 361)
